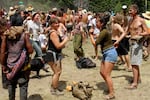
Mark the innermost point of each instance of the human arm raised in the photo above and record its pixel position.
(55, 39)
(28, 44)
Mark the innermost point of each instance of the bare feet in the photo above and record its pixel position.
(131, 87)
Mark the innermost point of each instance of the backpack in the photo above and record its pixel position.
(85, 63)
(82, 91)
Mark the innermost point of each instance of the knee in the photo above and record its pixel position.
(103, 74)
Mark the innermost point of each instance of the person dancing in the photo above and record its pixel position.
(109, 54)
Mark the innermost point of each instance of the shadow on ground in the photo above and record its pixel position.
(40, 76)
(127, 78)
(62, 85)
(35, 97)
(102, 86)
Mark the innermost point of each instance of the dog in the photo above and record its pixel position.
(37, 64)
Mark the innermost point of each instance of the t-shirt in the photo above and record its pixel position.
(35, 29)
(104, 39)
(43, 40)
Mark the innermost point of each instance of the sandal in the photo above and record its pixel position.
(109, 97)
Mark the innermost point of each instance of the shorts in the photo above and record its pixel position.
(136, 53)
(110, 55)
(51, 56)
(126, 44)
(121, 49)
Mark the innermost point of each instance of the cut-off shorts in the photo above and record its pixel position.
(110, 55)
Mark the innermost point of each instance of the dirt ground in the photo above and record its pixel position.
(39, 89)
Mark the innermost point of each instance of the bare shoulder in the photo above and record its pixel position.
(115, 26)
(141, 19)
(53, 34)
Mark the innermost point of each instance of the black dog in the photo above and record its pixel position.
(36, 64)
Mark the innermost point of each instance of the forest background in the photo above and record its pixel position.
(90, 5)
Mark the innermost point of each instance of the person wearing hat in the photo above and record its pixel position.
(146, 15)
(146, 48)
(11, 12)
(29, 8)
(54, 12)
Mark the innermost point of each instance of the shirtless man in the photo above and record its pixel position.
(137, 29)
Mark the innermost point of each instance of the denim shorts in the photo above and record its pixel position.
(110, 55)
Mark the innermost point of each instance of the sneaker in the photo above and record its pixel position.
(56, 92)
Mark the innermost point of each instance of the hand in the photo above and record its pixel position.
(4, 69)
(65, 38)
(116, 44)
(137, 37)
(91, 30)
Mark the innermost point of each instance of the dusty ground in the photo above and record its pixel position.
(39, 89)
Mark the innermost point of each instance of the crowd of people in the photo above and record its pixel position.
(122, 37)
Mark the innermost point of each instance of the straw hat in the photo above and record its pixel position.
(29, 8)
(54, 9)
(11, 8)
(84, 11)
(146, 14)
(12, 11)
(89, 13)
(16, 7)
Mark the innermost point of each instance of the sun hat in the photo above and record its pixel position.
(54, 9)
(29, 8)
(84, 11)
(146, 14)
(11, 8)
(11, 11)
(16, 7)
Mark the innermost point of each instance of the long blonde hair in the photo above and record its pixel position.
(119, 18)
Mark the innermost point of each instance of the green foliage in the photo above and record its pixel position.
(93, 5)
(66, 4)
(107, 5)
(148, 6)
(141, 4)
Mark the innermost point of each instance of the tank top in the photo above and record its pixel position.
(51, 45)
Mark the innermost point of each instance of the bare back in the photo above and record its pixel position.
(116, 31)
